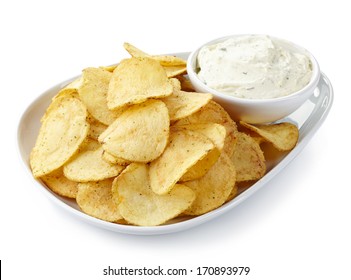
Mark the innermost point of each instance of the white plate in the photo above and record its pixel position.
(308, 118)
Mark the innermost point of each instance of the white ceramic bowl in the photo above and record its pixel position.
(257, 110)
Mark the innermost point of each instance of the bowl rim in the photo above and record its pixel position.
(307, 89)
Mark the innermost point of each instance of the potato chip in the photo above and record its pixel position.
(70, 89)
(173, 71)
(201, 167)
(109, 68)
(93, 93)
(135, 80)
(164, 60)
(95, 199)
(213, 112)
(170, 60)
(75, 84)
(114, 160)
(139, 134)
(90, 166)
(283, 136)
(248, 159)
(134, 51)
(96, 127)
(89, 144)
(213, 189)
(175, 84)
(63, 130)
(184, 150)
(182, 104)
(234, 192)
(216, 133)
(139, 205)
(185, 83)
(59, 184)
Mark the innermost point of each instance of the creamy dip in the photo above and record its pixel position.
(253, 67)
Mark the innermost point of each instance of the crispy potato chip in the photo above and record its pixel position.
(135, 80)
(283, 136)
(109, 68)
(139, 134)
(185, 83)
(175, 84)
(216, 133)
(184, 150)
(59, 184)
(173, 71)
(201, 167)
(63, 130)
(213, 112)
(213, 189)
(89, 144)
(182, 104)
(170, 60)
(164, 60)
(70, 89)
(75, 84)
(96, 127)
(234, 192)
(139, 205)
(248, 159)
(114, 160)
(95, 199)
(90, 166)
(134, 51)
(93, 93)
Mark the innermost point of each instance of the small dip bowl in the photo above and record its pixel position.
(257, 110)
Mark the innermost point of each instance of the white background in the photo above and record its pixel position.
(296, 227)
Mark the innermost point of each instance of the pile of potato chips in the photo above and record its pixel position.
(134, 144)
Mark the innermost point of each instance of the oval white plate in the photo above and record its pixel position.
(308, 118)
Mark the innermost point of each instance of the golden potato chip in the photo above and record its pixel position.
(59, 184)
(182, 104)
(109, 68)
(134, 51)
(90, 166)
(96, 127)
(213, 189)
(170, 60)
(164, 60)
(216, 133)
(173, 71)
(248, 159)
(139, 205)
(70, 89)
(213, 112)
(89, 144)
(234, 192)
(201, 167)
(135, 80)
(93, 93)
(175, 84)
(185, 83)
(95, 199)
(114, 160)
(139, 134)
(283, 136)
(184, 150)
(63, 130)
(75, 84)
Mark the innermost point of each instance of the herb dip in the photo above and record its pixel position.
(253, 67)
